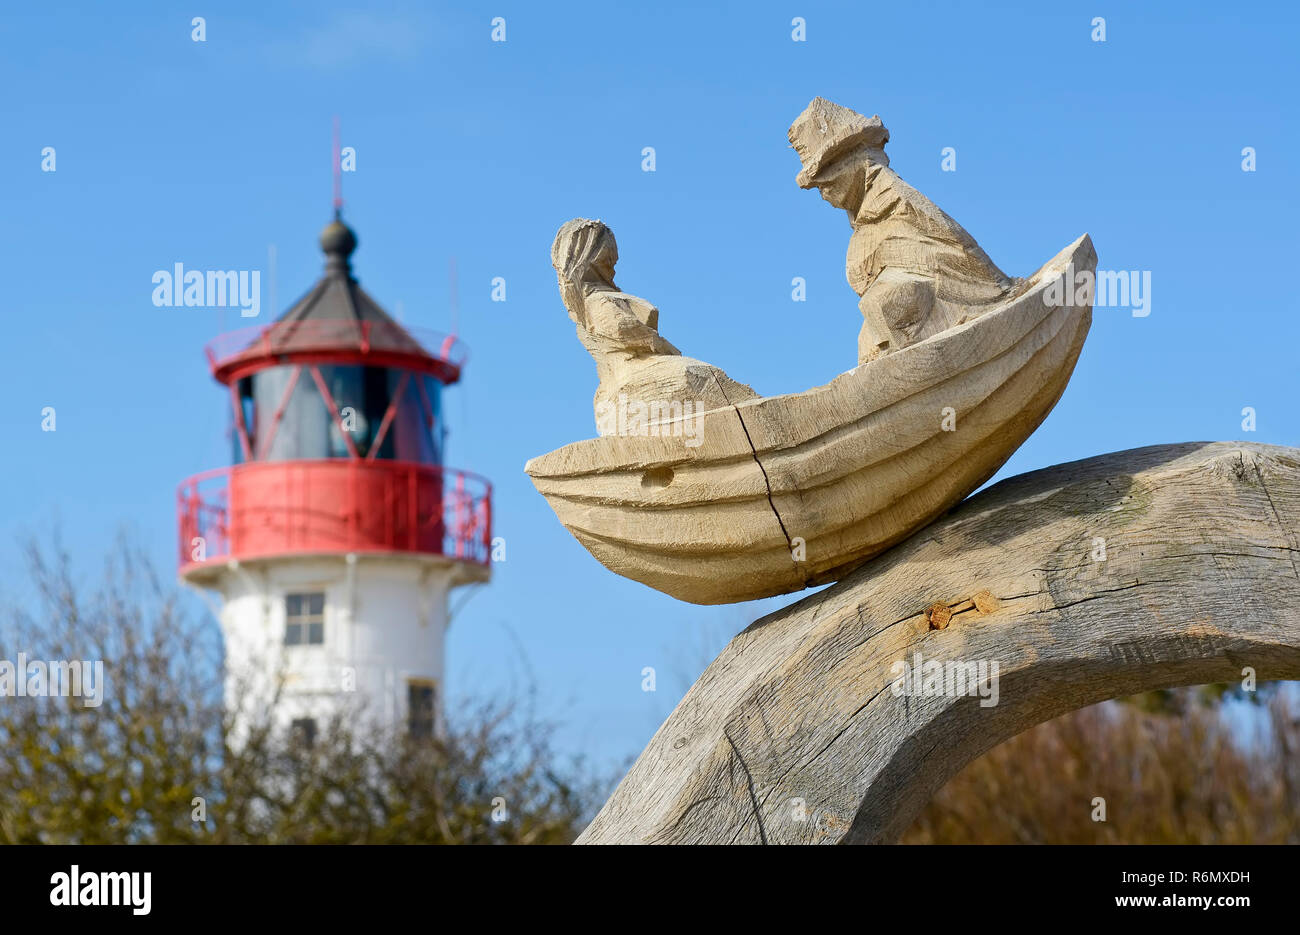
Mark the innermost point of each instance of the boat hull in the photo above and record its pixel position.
(781, 493)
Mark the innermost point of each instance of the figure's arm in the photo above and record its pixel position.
(628, 321)
(895, 308)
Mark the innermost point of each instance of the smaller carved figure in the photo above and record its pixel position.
(621, 332)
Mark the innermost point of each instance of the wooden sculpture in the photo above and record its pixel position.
(702, 489)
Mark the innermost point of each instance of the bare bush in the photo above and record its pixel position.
(152, 762)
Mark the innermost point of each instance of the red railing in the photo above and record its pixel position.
(269, 508)
(327, 337)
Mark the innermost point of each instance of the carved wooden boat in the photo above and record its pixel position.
(786, 492)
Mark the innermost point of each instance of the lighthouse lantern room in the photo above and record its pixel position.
(336, 534)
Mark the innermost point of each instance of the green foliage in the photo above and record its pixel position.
(1177, 701)
(154, 756)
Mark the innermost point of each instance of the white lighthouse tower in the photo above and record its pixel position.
(336, 535)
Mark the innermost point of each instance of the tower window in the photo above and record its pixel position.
(304, 619)
(419, 708)
(303, 731)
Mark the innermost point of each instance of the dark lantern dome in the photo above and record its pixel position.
(336, 321)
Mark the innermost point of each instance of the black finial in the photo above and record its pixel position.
(338, 241)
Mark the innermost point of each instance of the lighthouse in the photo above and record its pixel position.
(336, 534)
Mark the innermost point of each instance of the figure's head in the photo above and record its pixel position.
(833, 141)
(585, 252)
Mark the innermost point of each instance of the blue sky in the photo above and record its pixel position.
(172, 151)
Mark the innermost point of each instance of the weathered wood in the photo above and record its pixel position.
(1200, 580)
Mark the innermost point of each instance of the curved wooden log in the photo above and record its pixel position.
(1152, 568)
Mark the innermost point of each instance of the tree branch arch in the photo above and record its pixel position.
(1151, 568)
